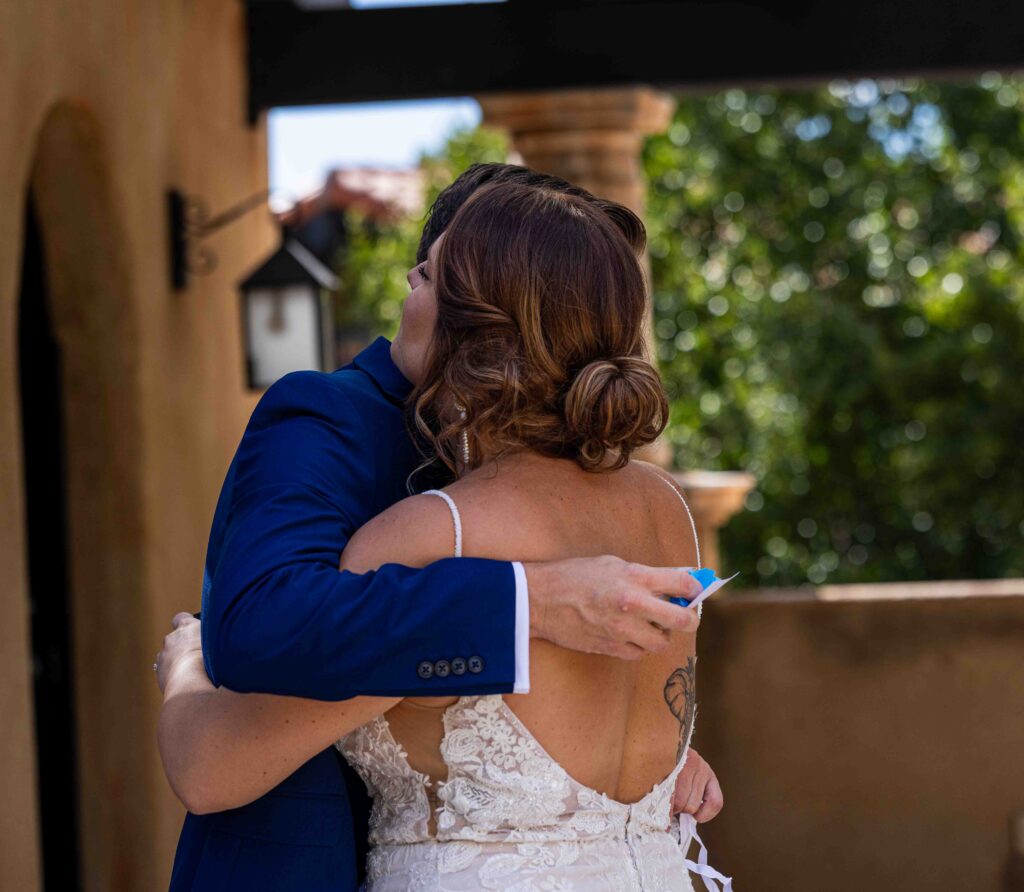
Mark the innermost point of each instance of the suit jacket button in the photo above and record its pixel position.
(459, 666)
(425, 669)
(476, 665)
(442, 668)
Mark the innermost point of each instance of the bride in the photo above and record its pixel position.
(524, 339)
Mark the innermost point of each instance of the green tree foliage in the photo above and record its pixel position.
(373, 265)
(840, 310)
(372, 269)
(463, 148)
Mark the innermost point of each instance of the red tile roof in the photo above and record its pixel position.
(379, 193)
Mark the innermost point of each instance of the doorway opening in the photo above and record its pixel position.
(46, 525)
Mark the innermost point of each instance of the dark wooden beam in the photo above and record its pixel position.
(309, 57)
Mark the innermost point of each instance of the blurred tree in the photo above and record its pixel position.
(463, 148)
(840, 310)
(374, 262)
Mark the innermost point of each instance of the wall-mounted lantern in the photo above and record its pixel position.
(288, 315)
(287, 301)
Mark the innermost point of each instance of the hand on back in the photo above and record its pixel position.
(608, 606)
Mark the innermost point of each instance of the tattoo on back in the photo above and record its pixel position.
(680, 695)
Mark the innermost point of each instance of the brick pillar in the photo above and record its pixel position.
(590, 137)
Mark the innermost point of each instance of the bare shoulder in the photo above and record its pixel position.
(665, 491)
(415, 531)
(649, 468)
(502, 516)
(659, 480)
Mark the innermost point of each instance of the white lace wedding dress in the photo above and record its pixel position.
(509, 817)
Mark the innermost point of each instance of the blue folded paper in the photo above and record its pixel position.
(705, 576)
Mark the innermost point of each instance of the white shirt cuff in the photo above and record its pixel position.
(522, 682)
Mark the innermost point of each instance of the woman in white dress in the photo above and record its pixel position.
(524, 336)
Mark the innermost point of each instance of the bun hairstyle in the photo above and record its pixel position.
(616, 405)
(539, 342)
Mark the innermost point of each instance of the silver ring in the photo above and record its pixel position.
(154, 667)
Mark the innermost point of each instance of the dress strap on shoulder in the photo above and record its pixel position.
(689, 514)
(456, 518)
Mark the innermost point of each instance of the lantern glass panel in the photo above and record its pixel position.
(283, 329)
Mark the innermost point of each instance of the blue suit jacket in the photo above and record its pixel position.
(322, 454)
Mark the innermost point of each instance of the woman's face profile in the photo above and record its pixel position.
(419, 315)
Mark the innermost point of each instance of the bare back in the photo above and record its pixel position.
(616, 726)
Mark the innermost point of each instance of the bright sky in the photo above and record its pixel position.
(305, 143)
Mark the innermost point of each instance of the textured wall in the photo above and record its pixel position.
(106, 105)
(863, 744)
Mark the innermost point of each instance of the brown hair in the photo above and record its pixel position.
(474, 177)
(542, 307)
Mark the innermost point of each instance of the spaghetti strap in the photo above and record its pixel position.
(689, 514)
(456, 518)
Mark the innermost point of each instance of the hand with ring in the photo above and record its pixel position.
(180, 645)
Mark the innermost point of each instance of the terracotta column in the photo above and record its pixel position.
(590, 137)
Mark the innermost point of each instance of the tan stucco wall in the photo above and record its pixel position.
(864, 744)
(861, 745)
(105, 105)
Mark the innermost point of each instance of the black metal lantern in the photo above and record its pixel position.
(288, 315)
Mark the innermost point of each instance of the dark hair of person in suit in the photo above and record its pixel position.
(539, 339)
(453, 196)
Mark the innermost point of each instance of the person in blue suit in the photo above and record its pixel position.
(323, 454)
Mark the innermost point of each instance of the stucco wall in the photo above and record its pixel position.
(105, 105)
(870, 744)
(861, 745)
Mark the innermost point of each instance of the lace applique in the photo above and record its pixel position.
(509, 817)
(401, 808)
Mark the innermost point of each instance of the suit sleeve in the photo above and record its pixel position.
(278, 615)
